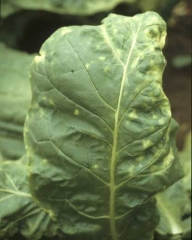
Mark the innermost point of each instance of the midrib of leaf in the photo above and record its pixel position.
(174, 222)
(113, 228)
(15, 191)
(19, 193)
(29, 214)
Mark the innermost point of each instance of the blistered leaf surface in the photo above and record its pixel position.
(99, 134)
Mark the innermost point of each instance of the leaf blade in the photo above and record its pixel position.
(77, 142)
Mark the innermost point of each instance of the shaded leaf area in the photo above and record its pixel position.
(19, 213)
(116, 118)
(174, 204)
(15, 98)
(185, 158)
(81, 7)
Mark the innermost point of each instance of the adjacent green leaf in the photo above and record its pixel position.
(80, 7)
(19, 212)
(182, 61)
(99, 133)
(15, 97)
(172, 204)
(185, 157)
(175, 203)
(8, 8)
(148, 5)
(74, 7)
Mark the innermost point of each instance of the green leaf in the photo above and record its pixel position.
(99, 133)
(185, 157)
(80, 7)
(15, 97)
(182, 61)
(148, 5)
(175, 203)
(172, 205)
(19, 212)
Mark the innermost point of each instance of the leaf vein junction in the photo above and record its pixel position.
(92, 113)
(83, 166)
(89, 76)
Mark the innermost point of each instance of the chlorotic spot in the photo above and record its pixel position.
(87, 65)
(65, 30)
(154, 169)
(38, 59)
(45, 161)
(133, 114)
(147, 143)
(161, 121)
(168, 159)
(107, 69)
(51, 102)
(154, 116)
(95, 166)
(140, 159)
(131, 170)
(102, 58)
(76, 112)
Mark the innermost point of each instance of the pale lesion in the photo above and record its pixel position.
(107, 40)
(89, 77)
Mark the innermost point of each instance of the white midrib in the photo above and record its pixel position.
(174, 222)
(113, 229)
(18, 193)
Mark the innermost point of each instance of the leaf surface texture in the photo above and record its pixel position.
(99, 134)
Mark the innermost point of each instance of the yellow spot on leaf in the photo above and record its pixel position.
(168, 159)
(95, 166)
(133, 114)
(45, 161)
(106, 69)
(102, 58)
(154, 116)
(161, 121)
(147, 143)
(140, 159)
(51, 102)
(76, 112)
(87, 65)
(38, 59)
(119, 52)
(65, 30)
